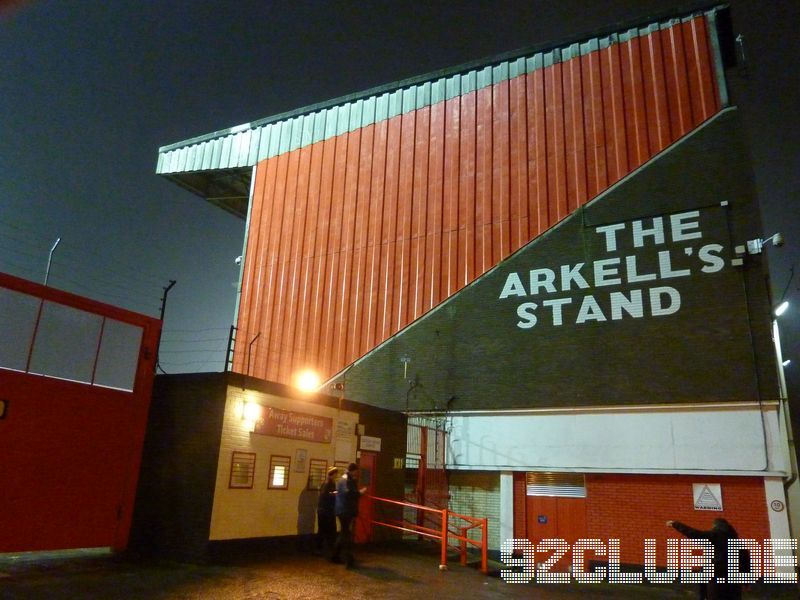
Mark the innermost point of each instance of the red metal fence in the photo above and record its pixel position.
(454, 527)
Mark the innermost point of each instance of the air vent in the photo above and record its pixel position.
(569, 485)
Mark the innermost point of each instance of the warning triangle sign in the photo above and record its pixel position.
(707, 499)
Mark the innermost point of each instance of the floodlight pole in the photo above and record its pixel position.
(50, 260)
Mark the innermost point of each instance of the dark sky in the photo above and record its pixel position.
(89, 91)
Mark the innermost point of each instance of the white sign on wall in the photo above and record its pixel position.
(370, 443)
(707, 496)
(555, 296)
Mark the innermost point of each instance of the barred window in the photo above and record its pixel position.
(279, 472)
(317, 471)
(243, 468)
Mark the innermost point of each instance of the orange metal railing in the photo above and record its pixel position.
(445, 533)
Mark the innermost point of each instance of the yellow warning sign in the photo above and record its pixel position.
(707, 496)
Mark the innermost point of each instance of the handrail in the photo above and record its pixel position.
(444, 533)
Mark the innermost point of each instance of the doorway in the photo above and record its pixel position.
(555, 507)
(366, 478)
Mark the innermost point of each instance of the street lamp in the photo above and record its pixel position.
(781, 308)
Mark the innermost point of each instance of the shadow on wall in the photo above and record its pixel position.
(306, 517)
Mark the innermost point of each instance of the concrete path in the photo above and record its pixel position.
(398, 573)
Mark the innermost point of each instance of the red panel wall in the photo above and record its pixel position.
(353, 238)
(71, 451)
(632, 508)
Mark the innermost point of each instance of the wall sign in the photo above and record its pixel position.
(300, 460)
(707, 496)
(294, 425)
(373, 444)
(656, 253)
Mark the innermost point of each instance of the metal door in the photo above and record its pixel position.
(366, 478)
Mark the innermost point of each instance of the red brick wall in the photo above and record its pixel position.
(634, 507)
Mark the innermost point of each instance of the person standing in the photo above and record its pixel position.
(347, 495)
(326, 513)
(721, 531)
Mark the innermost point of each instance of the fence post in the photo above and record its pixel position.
(484, 544)
(463, 545)
(443, 562)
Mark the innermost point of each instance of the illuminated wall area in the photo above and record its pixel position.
(229, 458)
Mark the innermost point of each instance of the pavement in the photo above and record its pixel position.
(407, 572)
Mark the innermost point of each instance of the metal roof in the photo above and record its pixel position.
(218, 166)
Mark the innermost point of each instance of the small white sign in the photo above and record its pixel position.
(707, 496)
(344, 428)
(372, 444)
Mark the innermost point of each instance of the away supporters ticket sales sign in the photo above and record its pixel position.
(294, 425)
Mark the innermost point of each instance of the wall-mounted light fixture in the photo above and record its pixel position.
(307, 381)
(250, 411)
(757, 245)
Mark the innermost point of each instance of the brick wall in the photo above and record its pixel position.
(477, 494)
(634, 507)
(179, 464)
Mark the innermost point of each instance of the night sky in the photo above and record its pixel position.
(89, 91)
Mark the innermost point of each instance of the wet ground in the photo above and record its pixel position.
(404, 572)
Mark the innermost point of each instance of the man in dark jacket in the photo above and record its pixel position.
(721, 531)
(347, 495)
(326, 515)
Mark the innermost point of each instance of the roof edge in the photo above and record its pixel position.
(674, 12)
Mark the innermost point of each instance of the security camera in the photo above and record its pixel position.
(238, 260)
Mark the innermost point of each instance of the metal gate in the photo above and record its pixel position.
(426, 451)
(75, 384)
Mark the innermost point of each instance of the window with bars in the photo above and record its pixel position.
(243, 468)
(279, 472)
(317, 470)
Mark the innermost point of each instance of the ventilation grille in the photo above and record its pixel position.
(570, 485)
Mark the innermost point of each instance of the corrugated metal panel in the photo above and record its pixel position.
(569, 485)
(361, 232)
(414, 98)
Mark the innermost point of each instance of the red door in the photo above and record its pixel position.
(366, 478)
(549, 517)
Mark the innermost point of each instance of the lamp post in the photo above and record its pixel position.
(50, 260)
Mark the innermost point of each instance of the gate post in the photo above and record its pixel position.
(443, 562)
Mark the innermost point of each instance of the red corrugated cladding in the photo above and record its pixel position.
(353, 238)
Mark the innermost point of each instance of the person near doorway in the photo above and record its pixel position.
(347, 495)
(326, 513)
(721, 531)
